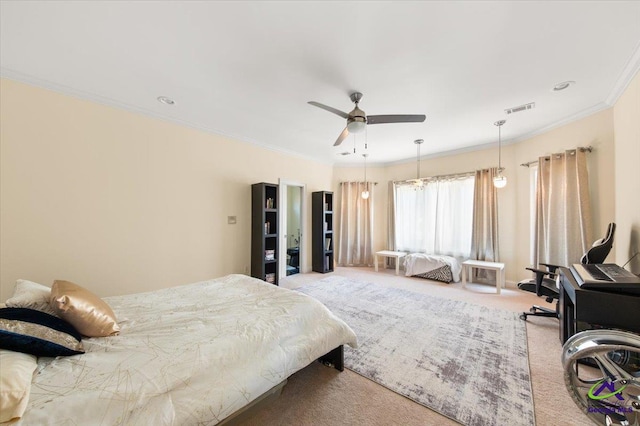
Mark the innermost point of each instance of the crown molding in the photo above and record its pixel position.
(628, 73)
(630, 70)
(102, 100)
(575, 117)
(601, 106)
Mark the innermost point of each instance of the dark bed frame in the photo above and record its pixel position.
(334, 359)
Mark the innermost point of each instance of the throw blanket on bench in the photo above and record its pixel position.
(433, 267)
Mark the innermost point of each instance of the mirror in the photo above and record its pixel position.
(294, 228)
(292, 224)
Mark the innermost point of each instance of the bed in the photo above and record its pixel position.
(192, 354)
(432, 267)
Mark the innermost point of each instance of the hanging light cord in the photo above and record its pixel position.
(365, 169)
(499, 123)
(500, 149)
(418, 160)
(366, 139)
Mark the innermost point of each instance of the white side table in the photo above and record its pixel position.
(388, 253)
(468, 265)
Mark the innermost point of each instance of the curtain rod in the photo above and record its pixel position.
(580, 148)
(375, 183)
(452, 175)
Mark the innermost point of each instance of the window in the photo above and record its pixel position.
(437, 218)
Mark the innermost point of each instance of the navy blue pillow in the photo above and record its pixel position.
(38, 333)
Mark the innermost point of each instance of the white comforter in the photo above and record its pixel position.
(191, 354)
(419, 263)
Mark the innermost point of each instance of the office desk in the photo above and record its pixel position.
(580, 309)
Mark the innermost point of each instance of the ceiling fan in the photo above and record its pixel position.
(357, 119)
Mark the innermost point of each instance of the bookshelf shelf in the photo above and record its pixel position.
(322, 231)
(264, 232)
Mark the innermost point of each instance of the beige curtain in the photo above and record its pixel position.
(484, 238)
(391, 224)
(563, 208)
(356, 224)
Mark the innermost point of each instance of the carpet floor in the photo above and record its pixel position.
(463, 360)
(322, 396)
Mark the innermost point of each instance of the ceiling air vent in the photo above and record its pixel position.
(520, 108)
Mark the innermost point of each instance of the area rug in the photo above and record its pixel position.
(465, 361)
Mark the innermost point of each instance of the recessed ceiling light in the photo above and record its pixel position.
(561, 86)
(165, 100)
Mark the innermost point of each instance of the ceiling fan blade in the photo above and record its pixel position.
(330, 109)
(342, 137)
(382, 119)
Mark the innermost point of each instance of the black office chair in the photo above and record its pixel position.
(545, 282)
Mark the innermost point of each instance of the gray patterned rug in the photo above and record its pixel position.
(465, 361)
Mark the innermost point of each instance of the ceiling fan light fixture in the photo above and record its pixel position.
(358, 120)
(357, 125)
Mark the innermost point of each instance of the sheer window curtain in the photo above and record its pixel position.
(356, 224)
(436, 219)
(484, 239)
(563, 208)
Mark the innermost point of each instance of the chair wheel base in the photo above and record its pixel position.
(539, 311)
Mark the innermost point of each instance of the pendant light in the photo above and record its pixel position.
(365, 193)
(500, 181)
(417, 182)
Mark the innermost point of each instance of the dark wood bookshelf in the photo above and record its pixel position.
(264, 232)
(322, 239)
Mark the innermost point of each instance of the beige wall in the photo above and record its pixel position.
(513, 201)
(120, 202)
(627, 175)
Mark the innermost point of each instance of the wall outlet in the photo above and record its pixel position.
(246, 269)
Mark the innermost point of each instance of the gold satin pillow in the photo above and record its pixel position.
(89, 314)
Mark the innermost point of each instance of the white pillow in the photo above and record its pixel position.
(16, 372)
(31, 295)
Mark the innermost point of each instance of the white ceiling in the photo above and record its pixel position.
(247, 69)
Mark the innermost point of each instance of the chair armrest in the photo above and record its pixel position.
(542, 272)
(540, 279)
(550, 266)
